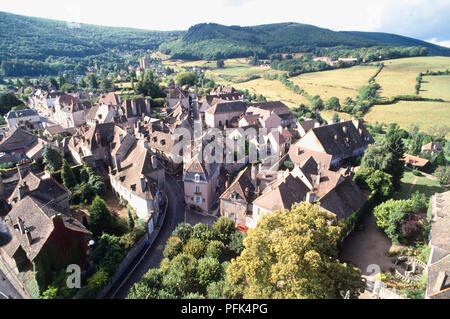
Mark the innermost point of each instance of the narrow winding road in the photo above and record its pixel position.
(175, 215)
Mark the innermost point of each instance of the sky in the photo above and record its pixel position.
(423, 19)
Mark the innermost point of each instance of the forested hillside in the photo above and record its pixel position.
(398, 40)
(34, 46)
(213, 41)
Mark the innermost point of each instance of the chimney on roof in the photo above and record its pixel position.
(154, 162)
(22, 168)
(29, 237)
(117, 161)
(21, 225)
(23, 190)
(308, 198)
(253, 175)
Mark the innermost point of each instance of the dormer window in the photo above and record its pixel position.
(197, 178)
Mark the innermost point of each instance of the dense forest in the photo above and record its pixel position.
(212, 41)
(34, 46)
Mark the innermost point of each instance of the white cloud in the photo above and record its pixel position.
(424, 19)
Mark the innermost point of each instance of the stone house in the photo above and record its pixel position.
(139, 180)
(222, 114)
(343, 141)
(28, 120)
(202, 184)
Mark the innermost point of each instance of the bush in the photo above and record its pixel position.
(98, 280)
(416, 172)
(237, 240)
(130, 239)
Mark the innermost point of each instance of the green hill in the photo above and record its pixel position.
(35, 46)
(214, 41)
(398, 40)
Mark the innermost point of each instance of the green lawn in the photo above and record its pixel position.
(424, 185)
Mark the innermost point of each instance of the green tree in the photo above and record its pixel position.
(108, 253)
(183, 231)
(174, 246)
(333, 104)
(203, 232)
(92, 81)
(209, 270)
(186, 78)
(100, 219)
(224, 228)
(220, 64)
(216, 249)
(67, 175)
(293, 255)
(52, 159)
(374, 180)
(237, 242)
(106, 85)
(336, 118)
(195, 247)
(396, 147)
(130, 220)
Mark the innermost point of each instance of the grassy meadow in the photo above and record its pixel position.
(436, 87)
(425, 114)
(399, 76)
(341, 83)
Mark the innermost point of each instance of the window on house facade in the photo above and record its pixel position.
(198, 199)
(197, 189)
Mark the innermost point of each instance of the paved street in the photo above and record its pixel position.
(175, 215)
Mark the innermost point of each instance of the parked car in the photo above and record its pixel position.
(242, 228)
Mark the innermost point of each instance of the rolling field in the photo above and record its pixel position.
(340, 83)
(424, 114)
(399, 76)
(273, 91)
(436, 87)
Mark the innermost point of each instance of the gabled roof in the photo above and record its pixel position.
(300, 155)
(415, 160)
(110, 99)
(44, 189)
(228, 89)
(344, 199)
(307, 125)
(282, 194)
(21, 113)
(242, 186)
(135, 170)
(227, 107)
(275, 106)
(38, 218)
(343, 137)
(17, 138)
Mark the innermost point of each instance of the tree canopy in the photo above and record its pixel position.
(292, 255)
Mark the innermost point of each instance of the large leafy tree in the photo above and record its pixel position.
(149, 86)
(292, 254)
